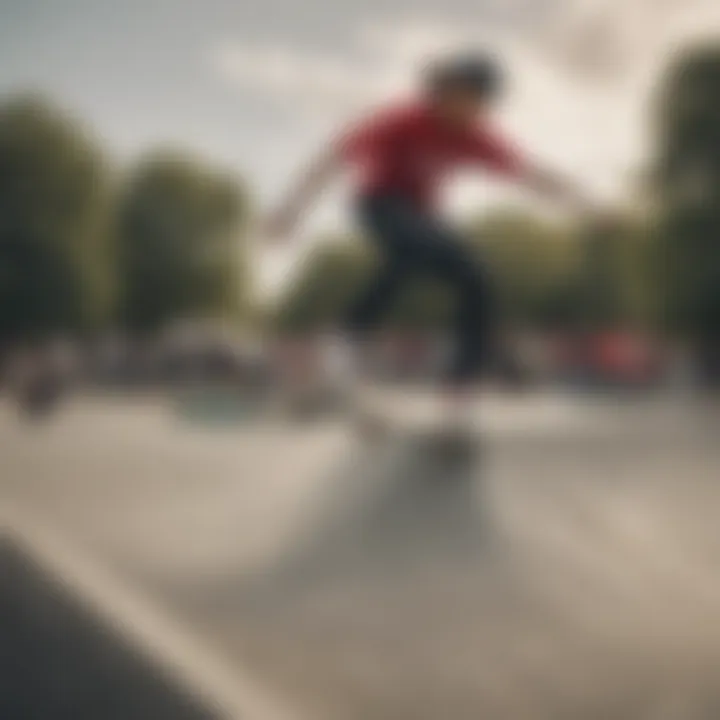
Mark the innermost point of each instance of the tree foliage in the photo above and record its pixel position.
(687, 181)
(166, 242)
(331, 278)
(178, 249)
(54, 264)
(687, 175)
(545, 274)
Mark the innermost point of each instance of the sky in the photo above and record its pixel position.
(257, 86)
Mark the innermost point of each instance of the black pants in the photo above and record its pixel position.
(412, 242)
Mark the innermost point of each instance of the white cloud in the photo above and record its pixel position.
(382, 58)
(291, 75)
(581, 80)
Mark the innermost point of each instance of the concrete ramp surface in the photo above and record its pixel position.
(391, 507)
(571, 575)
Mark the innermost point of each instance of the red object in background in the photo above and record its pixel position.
(626, 357)
(617, 356)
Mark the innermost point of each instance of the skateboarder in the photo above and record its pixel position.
(402, 155)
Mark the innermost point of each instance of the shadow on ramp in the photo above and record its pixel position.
(398, 508)
(386, 595)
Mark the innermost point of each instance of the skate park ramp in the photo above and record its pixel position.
(409, 598)
(568, 573)
(75, 645)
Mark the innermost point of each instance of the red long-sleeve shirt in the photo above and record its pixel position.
(409, 150)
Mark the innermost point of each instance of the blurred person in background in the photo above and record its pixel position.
(403, 154)
(37, 375)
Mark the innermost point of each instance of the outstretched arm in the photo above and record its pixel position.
(377, 131)
(492, 150)
(558, 188)
(303, 193)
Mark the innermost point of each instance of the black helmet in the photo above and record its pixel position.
(479, 73)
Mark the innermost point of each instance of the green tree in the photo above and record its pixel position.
(534, 265)
(321, 291)
(178, 249)
(546, 274)
(567, 275)
(54, 260)
(687, 181)
(614, 277)
(332, 276)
